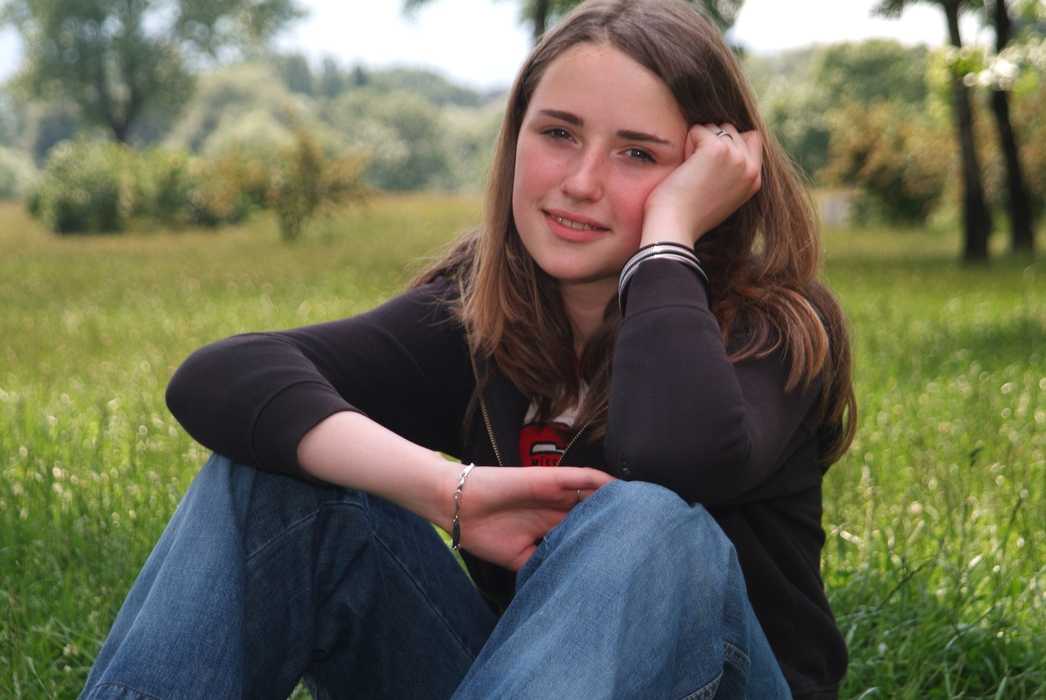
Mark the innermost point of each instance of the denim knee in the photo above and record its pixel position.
(648, 514)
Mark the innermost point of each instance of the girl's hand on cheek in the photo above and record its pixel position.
(717, 176)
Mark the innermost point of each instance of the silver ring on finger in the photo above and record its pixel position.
(579, 495)
(721, 133)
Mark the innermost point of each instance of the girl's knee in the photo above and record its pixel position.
(649, 513)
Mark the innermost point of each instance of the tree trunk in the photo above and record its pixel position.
(1019, 207)
(977, 221)
(540, 14)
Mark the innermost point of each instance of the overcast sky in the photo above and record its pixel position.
(481, 43)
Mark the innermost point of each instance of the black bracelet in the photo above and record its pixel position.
(666, 251)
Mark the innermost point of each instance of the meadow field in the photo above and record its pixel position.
(936, 554)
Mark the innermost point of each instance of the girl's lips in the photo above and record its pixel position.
(573, 228)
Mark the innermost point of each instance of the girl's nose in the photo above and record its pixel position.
(584, 180)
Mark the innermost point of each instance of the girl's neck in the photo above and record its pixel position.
(585, 305)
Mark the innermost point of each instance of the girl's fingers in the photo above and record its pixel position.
(750, 143)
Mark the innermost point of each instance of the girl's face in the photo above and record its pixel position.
(601, 131)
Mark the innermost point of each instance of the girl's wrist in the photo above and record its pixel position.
(438, 494)
(664, 228)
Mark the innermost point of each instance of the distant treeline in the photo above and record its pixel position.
(417, 129)
(873, 118)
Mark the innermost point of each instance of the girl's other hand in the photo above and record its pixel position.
(717, 176)
(505, 511)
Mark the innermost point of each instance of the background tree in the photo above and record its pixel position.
(242, 105)
(1017, 194)
(538, 13)
(977, 222)
(118, 59)
(871, 71)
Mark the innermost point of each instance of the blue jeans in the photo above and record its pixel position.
(260, 580)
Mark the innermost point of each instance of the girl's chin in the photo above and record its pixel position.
(601, 283)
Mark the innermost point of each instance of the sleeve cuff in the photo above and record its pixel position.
(659, 283)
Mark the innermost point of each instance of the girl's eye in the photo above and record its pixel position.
(557, 133)
(640, 155)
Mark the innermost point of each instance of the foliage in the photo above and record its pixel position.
(94, 187)
(432, 86)
(91, 187)
(1027, 90)
(302, 179)
(896, 156)
(244, 104)
(870, 71)
(541, 13)
(88, 187)
(413, 142)
(976, 218)
(118, 60)
(936, 540)
(469, 144)
(17, 173)
(806, 95)
(1029, 116)
(35, 126)
(402, 131)
(795, 107)
(894, 8)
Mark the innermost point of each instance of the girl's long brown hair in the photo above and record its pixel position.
(763, 261)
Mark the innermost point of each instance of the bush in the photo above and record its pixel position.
(87, 187)
(896, 155)
(302, 179)
(99, 187)
(17, 173)
(92, 187)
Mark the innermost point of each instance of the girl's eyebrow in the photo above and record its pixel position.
(640, 136)
(575, 120)
(568, 117)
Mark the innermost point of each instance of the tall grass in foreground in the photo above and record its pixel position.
(935, 519)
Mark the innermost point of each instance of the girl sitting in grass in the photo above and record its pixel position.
(638, 320)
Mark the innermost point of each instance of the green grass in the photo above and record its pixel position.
(936, 518)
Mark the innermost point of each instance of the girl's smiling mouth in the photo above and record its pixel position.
(573, 228)
(573, 224)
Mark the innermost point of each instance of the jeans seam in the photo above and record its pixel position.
(737, 656)
(248, 556)
(123, 686)
(410, 576)
(706, 691)
(733, 653)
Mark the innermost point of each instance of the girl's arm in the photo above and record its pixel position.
(681, 414)
(368, 402)
(504, 511)
(404, 364)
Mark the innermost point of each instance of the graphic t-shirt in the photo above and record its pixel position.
(542, 444)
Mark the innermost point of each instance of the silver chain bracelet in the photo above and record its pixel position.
(455, 535)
